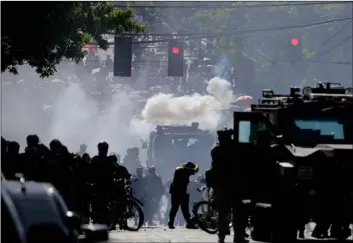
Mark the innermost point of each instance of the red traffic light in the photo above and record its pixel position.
(294, 41)
(175, 50)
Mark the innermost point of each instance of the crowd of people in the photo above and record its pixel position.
(88, 183)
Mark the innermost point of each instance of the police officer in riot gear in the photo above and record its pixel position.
(131, 160)
(221, 174)
(179, 195)
(230, 189)
(155, 188)
(83, 149)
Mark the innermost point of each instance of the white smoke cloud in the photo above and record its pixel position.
(73, 117)
(78, 119)
(204, 109)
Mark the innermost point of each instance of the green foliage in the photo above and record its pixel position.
(223, 20)
(43, 33)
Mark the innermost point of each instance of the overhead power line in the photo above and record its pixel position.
(235, 32)
(288, 4)
(328, 62)
(331, 37)
(335, 46)
(240, 32)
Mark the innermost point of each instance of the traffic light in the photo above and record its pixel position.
(175, 58)
(295, 47)
(122, 56)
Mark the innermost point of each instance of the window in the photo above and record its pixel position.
(36, 211)
(247, 131)
(244, 131)
(183, 140)
(320, 129)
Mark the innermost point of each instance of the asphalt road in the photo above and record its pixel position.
(162, 234)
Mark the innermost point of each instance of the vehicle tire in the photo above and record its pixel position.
(133, 206)
(207, 221)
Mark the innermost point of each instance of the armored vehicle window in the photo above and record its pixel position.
(247, 131)
(244, 131)
(325, 127)
(179, 147)
(320, 130)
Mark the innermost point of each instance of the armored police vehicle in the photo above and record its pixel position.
(171, 145)
(310, 138)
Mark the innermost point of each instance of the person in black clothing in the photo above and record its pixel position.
(121, 178)
(120, 171)
(101, 173)
(6, 165)
(34, 157)
(59, 171)
(179, 195)
(220, 178)
(13, 159)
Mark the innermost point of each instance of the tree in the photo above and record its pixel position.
(43, 33)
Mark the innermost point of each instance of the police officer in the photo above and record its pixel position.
(156, 190)
(220, 179)
(265, 190)
(179, 195)
(139, 184)
(131, 160)
(83, 149)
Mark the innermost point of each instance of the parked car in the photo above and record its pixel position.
(35, 212)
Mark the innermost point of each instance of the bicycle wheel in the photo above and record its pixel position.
(133, 216)
(206, 217)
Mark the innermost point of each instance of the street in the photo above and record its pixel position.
(164, 235)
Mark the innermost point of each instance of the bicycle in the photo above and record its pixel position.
(206, 219)
(205, 213)
(125, 208)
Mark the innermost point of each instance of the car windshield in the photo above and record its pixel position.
(36, 211)
(323, 130)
